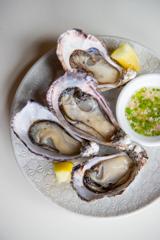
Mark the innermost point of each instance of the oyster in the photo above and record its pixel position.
(49, 135)
(76, 39)
(80, 108)
(77, 50)
(105, 176)
(42, 134)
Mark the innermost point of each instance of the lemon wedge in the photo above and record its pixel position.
(63, 171)
(126, 56)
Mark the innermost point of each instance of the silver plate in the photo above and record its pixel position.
(144, 189)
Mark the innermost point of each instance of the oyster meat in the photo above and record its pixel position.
(105, 176)
(93, 62)
(49, 135)
(79, 107)
(42, 133)
(77, 50)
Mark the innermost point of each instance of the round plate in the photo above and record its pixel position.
(144, 189)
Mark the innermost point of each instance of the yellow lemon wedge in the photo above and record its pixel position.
(126, 56)
(63, 171)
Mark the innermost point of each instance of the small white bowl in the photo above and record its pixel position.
(145, 80)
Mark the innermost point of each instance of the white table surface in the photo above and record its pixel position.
(28, 29)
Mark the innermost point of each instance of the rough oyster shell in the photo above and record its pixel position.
(87, 113)
(77, 50)
(76, 39)
(105, 176)
(36, 126)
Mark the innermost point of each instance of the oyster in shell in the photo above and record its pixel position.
(80, 108)
(42, 133)
(74, 39)
(105, 176)
(77, 50)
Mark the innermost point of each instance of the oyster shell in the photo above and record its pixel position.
(80, 108)
(42, 133)
(77, 50)
(105, 176)
(76, 39)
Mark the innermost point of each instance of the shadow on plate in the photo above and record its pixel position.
(39, 48)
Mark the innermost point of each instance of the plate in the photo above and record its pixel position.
(143, 190)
